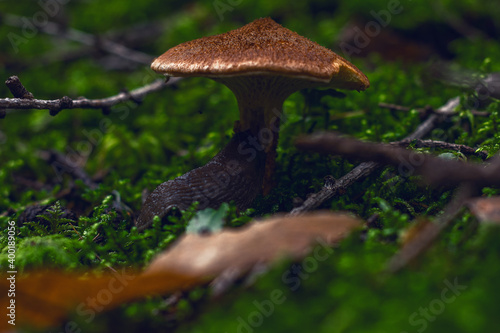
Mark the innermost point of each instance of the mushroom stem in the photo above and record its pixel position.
(263, 123)
(234, 174)
(260, 101)
(260, 98)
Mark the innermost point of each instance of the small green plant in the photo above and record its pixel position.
(55, 222)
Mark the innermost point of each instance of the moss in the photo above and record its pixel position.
(138, 146)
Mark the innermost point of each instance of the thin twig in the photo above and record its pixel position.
(470, 177)
(17, 89)
(54, 29)
(64, 163)
(363, 170)
(394, 107)
(427, 109)
(65, 102)
(466, 150)
(360, 172)
(435, 171)
(423, 111)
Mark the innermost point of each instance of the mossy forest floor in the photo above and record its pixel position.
(420, 54)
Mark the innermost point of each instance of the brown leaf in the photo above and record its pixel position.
(258, 242)
(46, 299)
(486, 209)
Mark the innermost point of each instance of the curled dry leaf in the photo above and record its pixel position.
(46, 299)
(486, 209)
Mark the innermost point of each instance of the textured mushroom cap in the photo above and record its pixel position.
(262, 47)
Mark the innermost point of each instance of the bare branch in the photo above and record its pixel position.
(425, 110)
(17, 89)
(339, 187)
(436, 171)
(363, 170)
(466, 150)
(360, 172)
(54, 29)
(68, 165)
(470, 177)
(65, 102)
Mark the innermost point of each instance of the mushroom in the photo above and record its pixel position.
(262, 63)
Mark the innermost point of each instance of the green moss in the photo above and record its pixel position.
(138, 146)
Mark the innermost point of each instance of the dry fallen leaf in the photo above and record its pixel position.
(487, 210)
(258, 242)
(45, 299)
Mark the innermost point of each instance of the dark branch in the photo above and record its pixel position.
(65, 102)
(17, 89)
(470, 177)
(436, 171)
(363, 170)
(394, 107)
(466, 150)
(67, 165)
(425, 110)
(54, 29)
(339, 187)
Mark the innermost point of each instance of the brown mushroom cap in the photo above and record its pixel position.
(262, 63)
(262, 47)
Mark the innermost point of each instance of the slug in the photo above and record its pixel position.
(234, 174)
